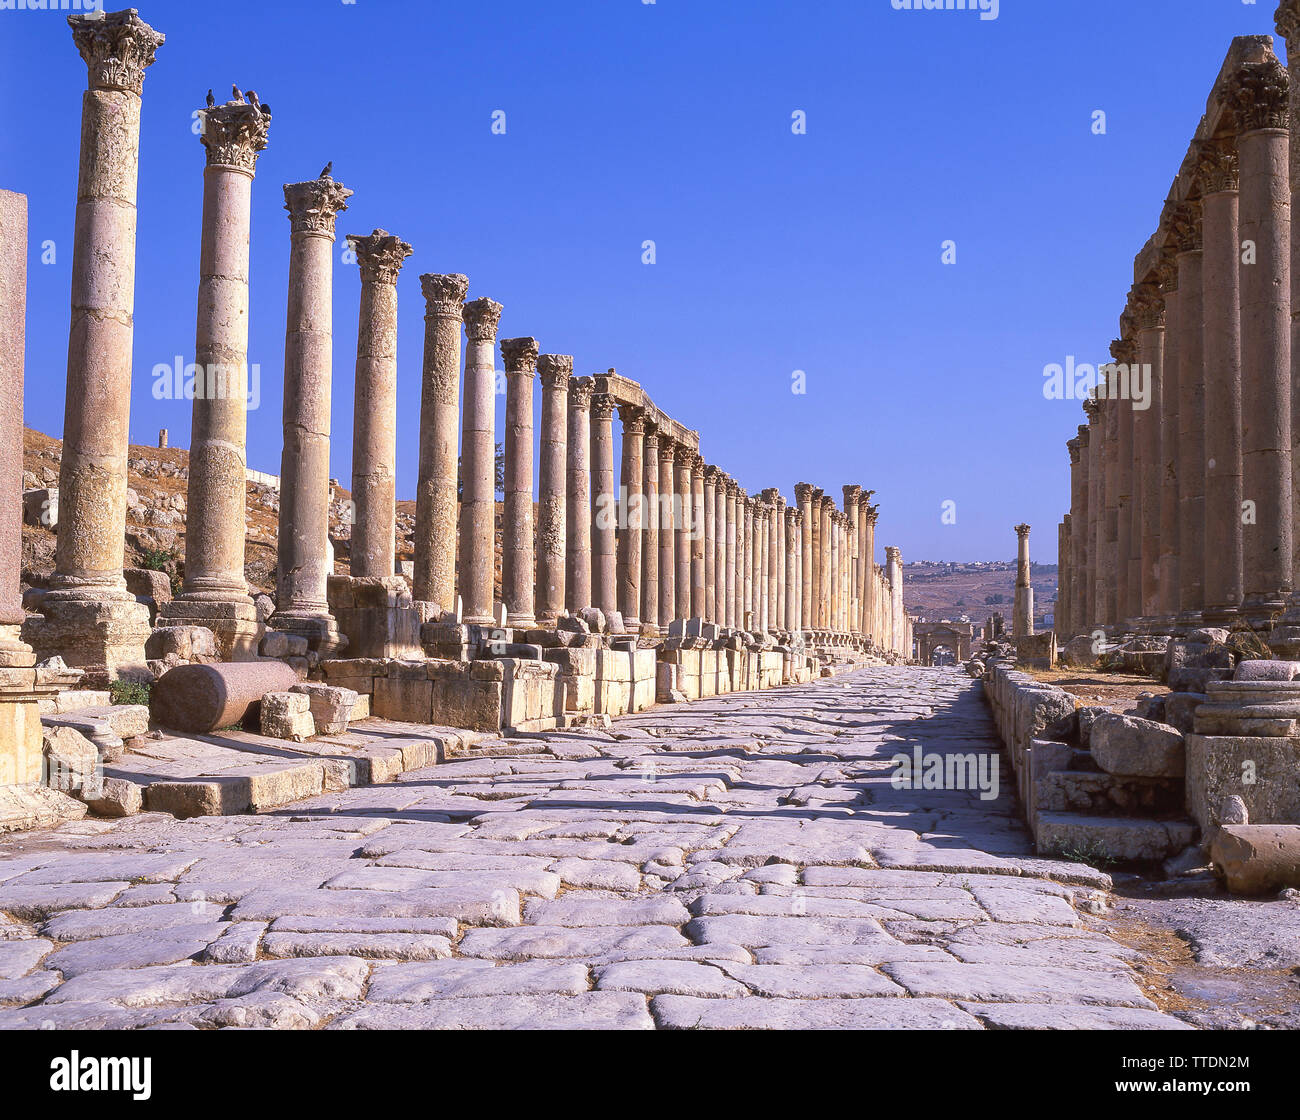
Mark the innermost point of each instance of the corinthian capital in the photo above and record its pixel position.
(602, 407)
(852, 494)
(633, 418)
(380, 255)
(519, 355)
(556, 369)
(1258, 94)
(481, 318)
(1216, 167)
(313, 206)
(444, 295)
(580, 390)
(234, 133)
(1185, 226)
(117, 47)
(1148, 306)
(1287, 21)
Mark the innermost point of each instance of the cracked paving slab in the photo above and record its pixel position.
(739, 863)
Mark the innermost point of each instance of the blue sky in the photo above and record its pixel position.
(671, 121)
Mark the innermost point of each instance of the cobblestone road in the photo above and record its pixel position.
(742, 862)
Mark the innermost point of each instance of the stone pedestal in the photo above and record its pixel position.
(378, 616)
(303, 546)
(434, 570)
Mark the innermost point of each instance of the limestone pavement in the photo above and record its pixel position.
(744, 862)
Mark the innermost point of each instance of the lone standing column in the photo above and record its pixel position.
(556, 371)
(1022, 620)
(578, 508)
(518, 560)
(1191, 417)
(215, 593)
(434, 580)
(650, 532)
(604, 510)
(684, 458)
(667, 534)
(1258, 96)
(374, 424)
(90, 617)
(894, 564)
(629, 536)
(302, 555)
(1217, 172)
(478, 464)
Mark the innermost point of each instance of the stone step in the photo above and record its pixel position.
(1119, 839)
(232, 772)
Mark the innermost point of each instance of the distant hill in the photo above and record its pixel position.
(936, 589)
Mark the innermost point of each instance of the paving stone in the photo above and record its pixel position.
(1071, 1017)
(1036, 984)
(466, 903)
(812, 981)
(238, 943)
(588, 1011)
(598, 873)
(756, 1013)
(17, 958)
(526, 942)
(462, 978)
(133, 950)
(384, 946)
(88, 925)
(655, 977)
(576, 910)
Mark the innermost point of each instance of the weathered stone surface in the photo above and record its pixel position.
(1257, 858)
(287, 715)
(201, 698)
(331, 707)
(1135, 747)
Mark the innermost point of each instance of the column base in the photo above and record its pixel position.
(320, 630)
(105, 637)
(1285, 638)
(378, 616)
(234, 624)
(1263, 612)
(1187, 622)
(1220, 617)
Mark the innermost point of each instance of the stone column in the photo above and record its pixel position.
(303, 552)
(518, 561)
(697, 537)
(1092, 615)
(791, 538)
(803, 496)
(1221, 261)
(1191, 416)
(745, 556)
(1258, 97)
(710, 542)
(90, 619)
(374, 424)
(719, 575)
(604, 508)
(1065, 580)
(733, 593)
(434, 579)
(894, 564)
(1286, 642)
(650, 532)
(1149, 308)
(869, 515)
(827, 620)
(215, 593)
(556, 371)
(763, 562)
(1022, 621)
(478, 464)
(629, 535)
(1074, 614)
(1128, 597)
(852, 497)
(1168, 466)
(837, 535)
(684, 458)
(667, 533)
(578, 508)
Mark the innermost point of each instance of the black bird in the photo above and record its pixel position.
(211, 100)
(325, 171)
(266, 109)
(238, 96)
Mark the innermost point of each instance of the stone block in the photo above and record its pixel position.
(1134, 747)
(178, 644)
(1122, 839)
(1260, 670)
(112, 797)
(1257, 859)
(70, 759)
(331, 706)
(1180, 709)
(1263, 771)
(145, 583)
(287, 715)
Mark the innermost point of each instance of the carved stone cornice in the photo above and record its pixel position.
(313, 206)
(1072, 446)
(1166, 274)
(117, 47)
(482, 316)
(519, 355)
(444, 295)
(380, 256)
(233, 134)
(1258, 95)
(580, 391)
(1092, 409)
(1217, 168)
(602, 407)
(555, 370)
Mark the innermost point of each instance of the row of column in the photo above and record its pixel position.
(1182, 511)
(672, 538)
